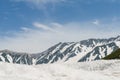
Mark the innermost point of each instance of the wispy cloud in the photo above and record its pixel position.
(25, 29)
(54, 24)
(42, 26)
(96, 22)
(41, 3)
(41, 36)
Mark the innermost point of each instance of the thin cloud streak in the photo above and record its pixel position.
(42, 26)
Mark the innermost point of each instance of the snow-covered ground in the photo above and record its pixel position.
(96, 70)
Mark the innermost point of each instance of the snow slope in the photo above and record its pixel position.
(96, 70)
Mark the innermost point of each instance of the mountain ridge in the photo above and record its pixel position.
(85, 50)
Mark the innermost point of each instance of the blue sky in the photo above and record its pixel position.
(26, 21)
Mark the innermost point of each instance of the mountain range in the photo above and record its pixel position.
(85, 50)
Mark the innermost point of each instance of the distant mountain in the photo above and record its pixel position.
(113, 55)
(86, 50)
(15, 57)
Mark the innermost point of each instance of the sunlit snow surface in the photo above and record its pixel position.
(96, 70)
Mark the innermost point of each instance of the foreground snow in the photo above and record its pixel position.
(97, 70)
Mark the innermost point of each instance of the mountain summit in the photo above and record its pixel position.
(86, 50)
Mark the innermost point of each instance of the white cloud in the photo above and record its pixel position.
(36, 40)
(42, 26)
(96, 22)
(56, 25)
(25, 29)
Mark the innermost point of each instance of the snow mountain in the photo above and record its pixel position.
(85, 50)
